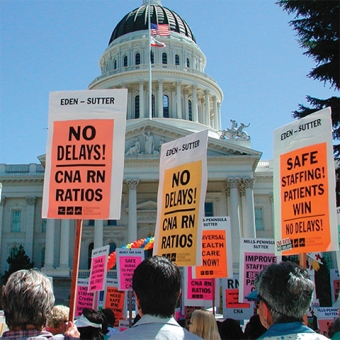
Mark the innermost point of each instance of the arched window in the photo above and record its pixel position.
(165, 106)
(164, 58)
(188, 62)
(115, 64)
(190, 109)
(42, 256)
(137, 107)
(125, 62)
(137, 59)
(89, 255)
(153, 105)
(152, 58)
(176, 59)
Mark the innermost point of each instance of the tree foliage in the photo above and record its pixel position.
(16, 262)
(317, 25)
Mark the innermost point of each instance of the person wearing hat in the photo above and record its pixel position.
(90, 325)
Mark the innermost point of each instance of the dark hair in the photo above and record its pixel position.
(157, 283)
(334, 327)
(230, 329)
(109, 319)
(286, 290)
(254, 328)
(92, 333)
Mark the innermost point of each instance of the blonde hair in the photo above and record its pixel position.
(204, 325)
(59, 315)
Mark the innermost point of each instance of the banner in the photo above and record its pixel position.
(84, 156)
(98, 270)
(127, 261)
(304, 186)
(84, 298)
(181, 196)
(255, 255)
(216, 240)
(232, 308)
(115, 300)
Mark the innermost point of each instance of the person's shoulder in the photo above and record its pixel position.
(298, 336)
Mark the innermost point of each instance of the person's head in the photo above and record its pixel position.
(203, 324)
(90, 324)
(27, 299)
(334, 327)
(254, 328)
(230, 329)
(58, 318)
(157, 283)
(285, 293)
(108, 319)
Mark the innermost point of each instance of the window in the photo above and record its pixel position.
(152, 58)
(137, 107)
(43, 225)
(188, 62)
(115, 64)
(259, 218)
(153, 105)
(14, 252)
(91, 223)
(16, 221)
(165, 106)
(125, 61)
(42, 256)
(176, 59)
(89, 255)
(164, 58)
(111, 222)
(208, 209)
(137, 59)
(190, 110)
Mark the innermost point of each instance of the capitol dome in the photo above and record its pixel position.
(137, 20)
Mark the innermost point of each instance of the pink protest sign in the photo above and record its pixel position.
(127, 261)
(84, 298)
(98, 269)
(198, 292)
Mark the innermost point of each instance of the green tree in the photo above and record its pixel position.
(16, 262)
(317, 25)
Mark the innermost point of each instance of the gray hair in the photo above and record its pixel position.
(286, 289)
(27, 299)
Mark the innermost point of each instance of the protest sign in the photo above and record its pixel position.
(232, 308)
(216, 240)
(115, 300)
(198, 292)
(304, 182)
(84, 298)
(84, 156)
(181, 196)
(335, 284)
(98, 268)
(127, 261)
(255, 255)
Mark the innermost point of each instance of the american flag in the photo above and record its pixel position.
(161, 29)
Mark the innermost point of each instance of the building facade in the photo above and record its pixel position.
(183, 100)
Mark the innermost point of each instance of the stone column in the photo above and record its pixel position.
(215, 123)
(141, 99)
(233, 184)
(160, 98)
(194, 104)
(179, 100)
(130, 106)
(132, 228)
(217, 117)
(49, 245)
(186, 106)
(98, 234)
(64, 245)
(207, 109)
(249, 228)
(29, 226)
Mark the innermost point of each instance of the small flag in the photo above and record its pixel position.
(156, 43)
(161, 29)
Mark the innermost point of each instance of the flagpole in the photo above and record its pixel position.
(149, 58)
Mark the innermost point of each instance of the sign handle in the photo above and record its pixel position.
(302, 260)
(75, 271)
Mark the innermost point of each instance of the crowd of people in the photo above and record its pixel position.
(283, 296)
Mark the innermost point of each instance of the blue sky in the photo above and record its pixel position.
(55, 45)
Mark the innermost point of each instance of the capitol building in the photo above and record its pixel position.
(184, 100)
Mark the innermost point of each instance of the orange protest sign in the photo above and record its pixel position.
(231, 299)
(81, 168)
(304, 198)
(115, 301)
